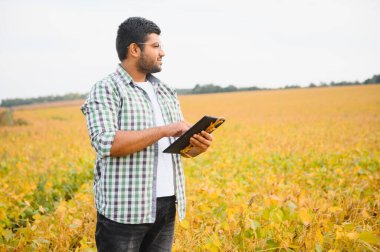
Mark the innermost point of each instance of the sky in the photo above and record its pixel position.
(59, 47)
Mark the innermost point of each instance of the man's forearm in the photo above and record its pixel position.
(128, 142)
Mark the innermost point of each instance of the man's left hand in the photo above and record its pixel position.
(200, 142)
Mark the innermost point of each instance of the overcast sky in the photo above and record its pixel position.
(53, 48)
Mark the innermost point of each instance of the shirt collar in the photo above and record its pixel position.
(128, 79)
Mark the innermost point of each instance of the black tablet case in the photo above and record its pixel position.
(184, 140)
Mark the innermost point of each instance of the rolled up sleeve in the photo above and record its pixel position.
(101, 112)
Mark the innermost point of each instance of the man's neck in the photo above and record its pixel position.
(136, 75)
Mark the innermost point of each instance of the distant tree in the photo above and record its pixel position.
(251, 88)
(183, 91)
(374, 80)
(205, 89)
(292, 86)
(230, 88)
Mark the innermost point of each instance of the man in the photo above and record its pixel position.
(131, 118)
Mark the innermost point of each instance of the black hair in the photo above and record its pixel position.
(133, 30)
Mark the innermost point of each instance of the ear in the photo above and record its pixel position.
(134, 50)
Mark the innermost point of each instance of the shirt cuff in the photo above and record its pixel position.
(105, 143)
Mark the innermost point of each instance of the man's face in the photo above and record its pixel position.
(151, 55)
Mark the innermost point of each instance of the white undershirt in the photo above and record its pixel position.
(165, 182)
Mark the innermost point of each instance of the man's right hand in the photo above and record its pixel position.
(176, 129)
(128, 142)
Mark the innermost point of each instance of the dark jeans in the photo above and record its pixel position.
(158, 236)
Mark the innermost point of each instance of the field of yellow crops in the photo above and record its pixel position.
(290, 170)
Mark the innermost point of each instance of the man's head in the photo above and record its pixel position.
(138, 38)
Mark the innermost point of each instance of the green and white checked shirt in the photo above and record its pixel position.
(125, 187)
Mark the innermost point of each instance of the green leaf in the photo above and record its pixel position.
(272, 243)
(318, 248)
(7, 234)
(254, 224)
(369, 237)
(291, 206)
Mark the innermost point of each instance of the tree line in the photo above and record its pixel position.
(198, 89)
(41, 99)
(211, 88)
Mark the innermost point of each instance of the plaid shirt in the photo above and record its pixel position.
(125, 187)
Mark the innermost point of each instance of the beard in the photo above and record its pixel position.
(146, 65)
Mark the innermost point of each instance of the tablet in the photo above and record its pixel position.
(207, 123)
